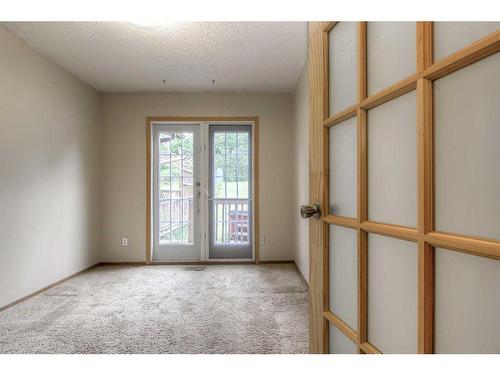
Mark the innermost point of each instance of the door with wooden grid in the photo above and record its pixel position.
(405, 131)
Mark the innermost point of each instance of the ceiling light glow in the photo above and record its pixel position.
(150, 22)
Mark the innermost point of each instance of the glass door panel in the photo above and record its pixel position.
(176, 190)
(230, 192)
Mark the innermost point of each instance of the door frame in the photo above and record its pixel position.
(235, 120)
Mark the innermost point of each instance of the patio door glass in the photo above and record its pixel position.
(176, 192)
(230, 192)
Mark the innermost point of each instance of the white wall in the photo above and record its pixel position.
(49, 172)
(301, 169)
(124, 178)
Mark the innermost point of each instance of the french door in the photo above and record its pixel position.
(202, 205)
(176, 192)
(404, 165)
(230, 192)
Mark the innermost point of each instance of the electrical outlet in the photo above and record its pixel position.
(262, 240)
(124, 241)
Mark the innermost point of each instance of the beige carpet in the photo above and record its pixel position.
(164, 309)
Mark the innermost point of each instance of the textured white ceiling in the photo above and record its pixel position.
(120, 56)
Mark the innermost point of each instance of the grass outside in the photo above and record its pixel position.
(234, 190)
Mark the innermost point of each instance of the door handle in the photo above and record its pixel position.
(308, 211)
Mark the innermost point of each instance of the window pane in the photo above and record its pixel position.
(231, 184)
(243, 144)
(391, 53)
(220, 186)
(339, 343)
(467, 131)
(243, 176)
(343, 169)
(231, 144)
(343, 271)
(343, 66)
(449, 37)
(392, 162)
(392, 294)
(467, 303)
(176, 187)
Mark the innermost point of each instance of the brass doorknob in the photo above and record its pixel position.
(308, 211)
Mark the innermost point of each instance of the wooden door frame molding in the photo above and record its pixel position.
(424, 235)
(318, 324)
(255, 154)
